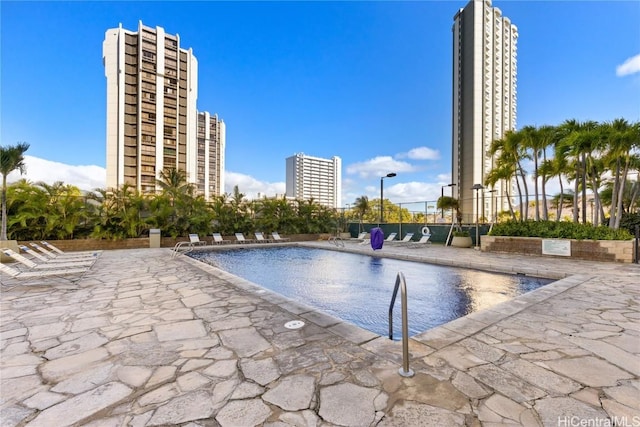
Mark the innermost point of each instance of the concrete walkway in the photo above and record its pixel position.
(146, 340)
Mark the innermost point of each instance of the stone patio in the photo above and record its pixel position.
(142, 339)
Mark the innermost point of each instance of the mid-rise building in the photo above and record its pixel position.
(314, 178)
(210, 155)
(152, 121)
(484, 103)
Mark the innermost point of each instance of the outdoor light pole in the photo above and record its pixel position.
(389, 175)
(477, 187)
(442, 197)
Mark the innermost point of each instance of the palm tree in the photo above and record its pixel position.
(361, 207)
(11, 158)
(539, 140)
(173, 183)
(510, 153)
(624, 140)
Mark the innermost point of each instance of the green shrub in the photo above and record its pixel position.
(558, 230)
(461, 234)
(630, 221)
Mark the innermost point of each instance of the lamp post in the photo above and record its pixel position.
(442, 197)
(477, 187)
(389, 175)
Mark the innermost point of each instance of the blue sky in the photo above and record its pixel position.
(367, 81)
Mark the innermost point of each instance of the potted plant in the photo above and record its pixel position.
(461, 239)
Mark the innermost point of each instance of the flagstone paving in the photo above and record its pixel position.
(143, 339)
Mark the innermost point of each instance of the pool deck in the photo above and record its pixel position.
(143, 339)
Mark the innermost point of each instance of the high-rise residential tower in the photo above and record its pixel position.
(484, 103)
(210, 155)
(315, 178)
(152, 88)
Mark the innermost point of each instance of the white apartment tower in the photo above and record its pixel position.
(484, 103)
(315, 178)
(210, 155)
(152, 87)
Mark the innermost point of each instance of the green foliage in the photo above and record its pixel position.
(630, 221)
(58, 211)
(461, 234)
(559, 230)
(11, 159)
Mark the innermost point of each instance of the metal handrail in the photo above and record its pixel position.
(336, 240)
(402, 284)
(180, 245)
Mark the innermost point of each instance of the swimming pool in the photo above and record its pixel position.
(358, 288)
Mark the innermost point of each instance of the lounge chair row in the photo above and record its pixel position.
(218, 240)
(391, 238)
(47, 262)
(194, 241)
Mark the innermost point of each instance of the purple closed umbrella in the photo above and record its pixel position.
(377, 238)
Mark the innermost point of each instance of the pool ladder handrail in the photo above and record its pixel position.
(402, 284)
(181, 248)
(337, 240)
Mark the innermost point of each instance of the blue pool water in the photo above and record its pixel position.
(358, 288)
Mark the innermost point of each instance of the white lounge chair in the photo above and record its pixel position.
(52, 248)
(260, 238)
(406, 239)
(277, 238)
(10, 271)
(194, 239)
(361, 236)
(240, 238)
(423, 241)
(47, 265)
(218, 240)
(35, 254)
(71, 255)
(391, 237)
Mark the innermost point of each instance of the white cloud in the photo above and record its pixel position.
(84, 177)
(404, 192)
(379, 166)
(421, 153)
(91, 177)
(251, 187)
(630, 66)
(444, 178)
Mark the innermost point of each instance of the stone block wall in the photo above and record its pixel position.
(143, 242)
(591, 250)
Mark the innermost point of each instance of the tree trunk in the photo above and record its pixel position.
(3, 207)
(614, 196)
(561, 201)
(623, 182)
(584, 188)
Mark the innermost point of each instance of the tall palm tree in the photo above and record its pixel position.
(361, 207)
(544, 139)
(510, 153)
(624, 141)
(531, 140)
(569, 132)
(173, 183)
(11, 158)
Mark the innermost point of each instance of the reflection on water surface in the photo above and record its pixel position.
(358, 288)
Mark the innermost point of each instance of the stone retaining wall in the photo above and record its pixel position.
(143, 242)
(593, 250)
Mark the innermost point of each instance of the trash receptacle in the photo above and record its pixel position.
(154, 238)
